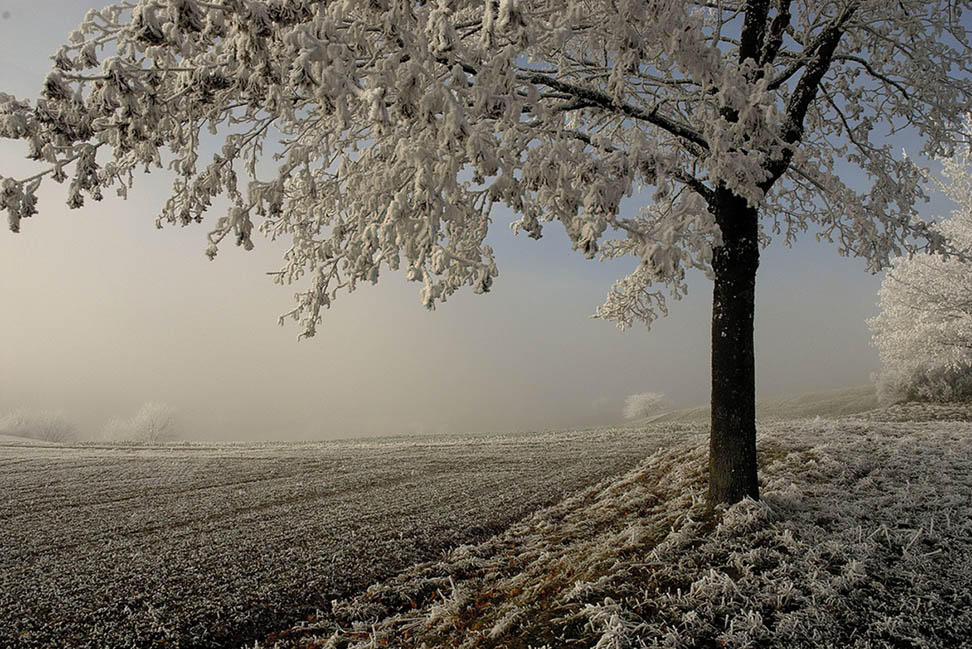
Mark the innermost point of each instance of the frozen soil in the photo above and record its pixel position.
(211, 546)
(863, 538)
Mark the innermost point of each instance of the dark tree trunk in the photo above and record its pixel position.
(732, 439)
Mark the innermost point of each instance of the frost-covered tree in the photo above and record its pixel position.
(924, 330)
(154, 423)
(48, 426)
(644, 404)
(393, 127)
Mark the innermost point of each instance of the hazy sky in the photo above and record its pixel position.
(102, 312)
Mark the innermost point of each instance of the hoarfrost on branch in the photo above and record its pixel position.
(395, 127)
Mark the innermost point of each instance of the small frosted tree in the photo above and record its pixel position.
(45, 425)
(645, 404)
(924, 330)
(153, 423)
(396, 126)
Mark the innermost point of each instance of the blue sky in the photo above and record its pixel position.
(102, 312)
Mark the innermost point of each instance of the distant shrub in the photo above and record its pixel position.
(645, 404)
(153, 423)
(924, 383)
(44, 425)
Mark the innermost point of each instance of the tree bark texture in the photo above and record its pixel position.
(732, 438)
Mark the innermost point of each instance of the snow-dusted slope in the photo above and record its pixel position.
(863, 539)
(831, 403)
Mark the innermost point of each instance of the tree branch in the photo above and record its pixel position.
(753, 30)
(874, 73)
(603, 100)
(821, 56)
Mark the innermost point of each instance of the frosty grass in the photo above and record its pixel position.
(117, 546)
(863, 538)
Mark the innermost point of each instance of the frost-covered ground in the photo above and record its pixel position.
(863, 539)
(211, 546)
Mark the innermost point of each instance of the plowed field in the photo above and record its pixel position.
(212, 546)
